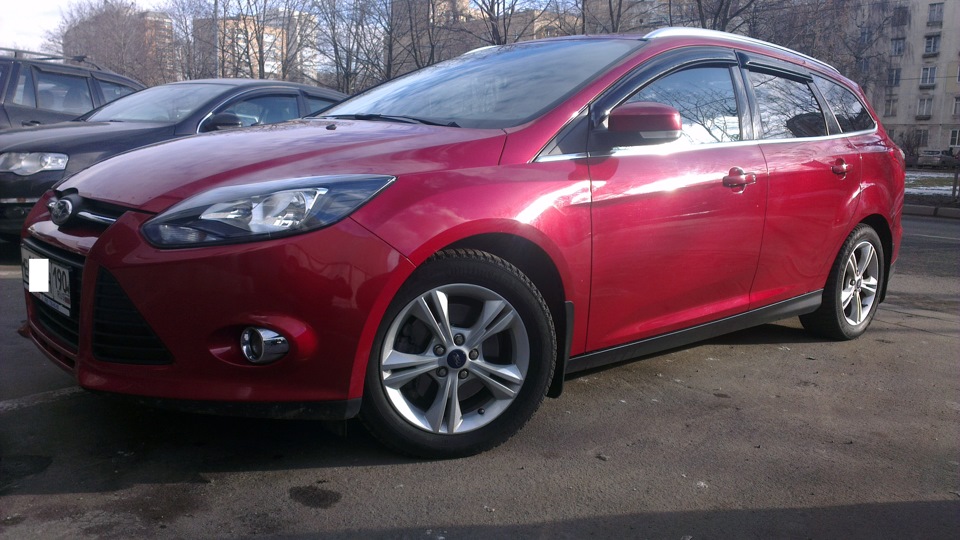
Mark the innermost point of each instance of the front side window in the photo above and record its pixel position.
(317, 104)
(705, 98)
(850, 112)
(112, 91)
(928, 75)
(65, 93)
(931, 44)
(788, 107)
(896, 46)
(262, 110)
(924, 106)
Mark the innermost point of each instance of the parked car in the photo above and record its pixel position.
(37, 88)
(936, 159)
(438, 253)
(34, 159)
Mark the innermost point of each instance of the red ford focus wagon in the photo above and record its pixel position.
(437, 253)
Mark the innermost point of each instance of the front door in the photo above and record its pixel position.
(677, 227)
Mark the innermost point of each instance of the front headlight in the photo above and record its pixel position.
(27, 163)
(262, 211)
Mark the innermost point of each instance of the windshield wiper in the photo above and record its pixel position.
(391, 118)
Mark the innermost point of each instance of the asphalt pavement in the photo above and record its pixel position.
(765, 433)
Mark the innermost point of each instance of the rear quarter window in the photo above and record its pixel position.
(851, 114)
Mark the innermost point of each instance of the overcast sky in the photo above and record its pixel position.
(23, 23)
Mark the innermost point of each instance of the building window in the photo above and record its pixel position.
(935, 13)
(931, 44)
(928, 76)
(893, 77)
(924, 106)
(923, 137)
(955, 137)
(956, 106)
(890, 107)
(863, 65)
(900, 15)
(896, 46)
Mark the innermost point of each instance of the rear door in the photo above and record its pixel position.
(814, 181)
(676, 240)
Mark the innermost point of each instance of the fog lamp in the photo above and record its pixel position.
(262, 346)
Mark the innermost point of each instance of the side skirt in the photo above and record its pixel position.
(781, 310)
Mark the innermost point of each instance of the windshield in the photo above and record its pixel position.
(494, 87)
(168, 104)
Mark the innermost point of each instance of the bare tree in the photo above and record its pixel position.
(117, 35)
(505, 21)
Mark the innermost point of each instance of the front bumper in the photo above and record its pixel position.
(324, 291)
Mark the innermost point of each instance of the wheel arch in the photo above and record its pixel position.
(542, 270)
(879, 224)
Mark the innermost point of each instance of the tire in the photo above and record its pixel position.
(852, 292)
(462, 359)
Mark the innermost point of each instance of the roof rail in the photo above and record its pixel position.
(33, 55)
(702, 32)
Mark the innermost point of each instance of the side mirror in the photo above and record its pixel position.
(642, 123)
(221, 121)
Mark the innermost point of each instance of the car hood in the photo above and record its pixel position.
(153, 179)
(73, 137)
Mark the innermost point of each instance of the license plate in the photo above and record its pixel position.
(58, 294)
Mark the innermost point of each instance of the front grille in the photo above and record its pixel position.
(65, 329)
(120, 334)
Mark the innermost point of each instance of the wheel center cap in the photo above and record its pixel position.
(456, 359)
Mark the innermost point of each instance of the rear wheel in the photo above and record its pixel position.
(462, 358)
(852, 293)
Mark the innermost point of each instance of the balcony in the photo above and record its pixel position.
(922, 117)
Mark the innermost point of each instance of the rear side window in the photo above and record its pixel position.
(112, 91)
(788, 108)
(65, 93)
(705, 98)
(850, 112)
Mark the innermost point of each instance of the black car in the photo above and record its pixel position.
(37, 88)
(33, 159)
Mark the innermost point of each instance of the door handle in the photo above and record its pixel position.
(737, 178)
(840, 168)
(28, 123)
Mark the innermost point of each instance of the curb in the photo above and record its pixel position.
(931, 211)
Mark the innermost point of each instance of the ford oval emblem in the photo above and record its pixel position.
(61, 211)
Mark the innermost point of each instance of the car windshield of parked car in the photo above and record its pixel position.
(494, 87)
(167, 104)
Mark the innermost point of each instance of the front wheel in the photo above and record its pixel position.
(852, 292)
(462, 359)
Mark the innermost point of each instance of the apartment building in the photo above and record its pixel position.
(920, 102)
